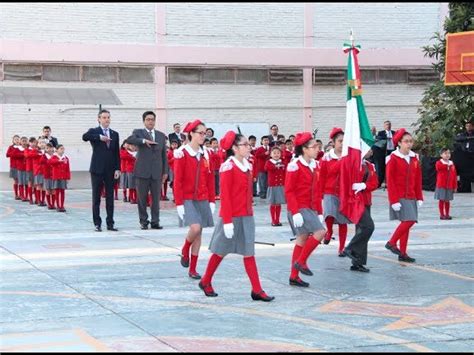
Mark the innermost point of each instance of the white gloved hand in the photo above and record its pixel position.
(229, 230)
(420, 203)
(321, 218)
(180, 210)
(397, 206)
(212, 205)
(359, 186)
(298, 220)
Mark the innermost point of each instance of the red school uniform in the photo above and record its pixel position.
(60, 167)
(330, 173)
(446, 175)
(276, 172)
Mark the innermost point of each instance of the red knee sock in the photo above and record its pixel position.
(441, 208)
(212, 266)
(277, 213)
(124, 194)
(446, 208)
(296, 253)
(342, 236)
(15, 189)
(193, 264)
(21, 190)
(404, 238)
(400, 231)
(48, 200)
(53, 200)
(37, 196)
(272, 213)
(185, 249)
(310, 245)
(329, 224)
(30, 194)
(43, 195)
(252, 272)
(60, 198)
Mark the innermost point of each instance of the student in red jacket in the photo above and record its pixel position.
(330, 181)
(275, 168)
(304, 205)
(446, 183)
(61, 173)
(30, 155)
(403, 177)
(170, 154)
(194, 192)
(356, 250)
(216, 161)
(262, 154)
(21, 168)
(12, 152)
(235, 229)
(38, 173)
(48, 185)
(127, 164)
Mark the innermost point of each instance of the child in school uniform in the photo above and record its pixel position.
(127, 163)
(216, 161)
(276, 169)
(38, 173)
(61, 173)
(446, 183)
(262, 154)
(170, 153)
(12, 153)
(30, 155)
(47, 174)
(21, 166)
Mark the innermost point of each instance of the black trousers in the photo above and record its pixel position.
(98, 181)
(358, 244)
(143, 187)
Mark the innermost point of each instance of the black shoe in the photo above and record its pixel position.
(393, 248)
(42, 204)
(360, 268)
(156, 226)
(194, 275)
(210, 292)
(144, 225)
(61, 210)
(406, 258)
(449, 218)
(98, 229)
(261, 296)
(350, 254)
(341, 254)
(302, 269)
(278, 224)
(298, 282)
(184, 261)
(125, 199)
(111, 228)
(17, 198)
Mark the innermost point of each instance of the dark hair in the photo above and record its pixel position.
(263, 137)
(319, 141)
(47, 127)
(174, 141)
(207, 140)
(32, 139)
(404, 134)
(213, 139)
(100, 113)
(273, 125)
(291, 135)
(276, 148)
(442, 150)
(59, 146)
(337, 136)
(194, 130)
(387, 121)
(299, 148)
(49, 145)
(176, 124)
(281, 136)
(207, 129)
(252, 137)
(288, 141)
(146, 113)
(229, 152)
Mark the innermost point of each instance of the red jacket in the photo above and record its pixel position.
(60, 168)
(38, 167)
(18, 155)
(170, 156)
(30, 155)
(446, 175)
(11, 154)
(236, 185)
(302, 186)
(127, 161)
(262, 157)
(47, 168)
(215, 159)
(286, 156)
(330, 174)
(276, 172)
(372, 182)
(403, 179)
(185, 174)
(252, 160)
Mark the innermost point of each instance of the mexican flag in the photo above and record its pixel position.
(357, 139)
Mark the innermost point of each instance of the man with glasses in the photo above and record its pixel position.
(273, 136)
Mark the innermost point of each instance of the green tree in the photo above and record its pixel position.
(445, 109)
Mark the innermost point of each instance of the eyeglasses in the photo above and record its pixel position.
(202, 133)
(244, 144)
(314, 146)
(407, 141)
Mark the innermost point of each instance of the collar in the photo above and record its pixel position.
(16, 146)
(20, 147)
(244, 167)
(191, 151)
(275, 161)
(448, 163)
(48, 155)
(333, 155)
(103, 129)
(397, 152)
(311, 164)
(60, 158)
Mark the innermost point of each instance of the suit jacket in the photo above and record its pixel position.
(382, 135)
(104, 159)
(53, 141)
(152, 162)
(174, 137)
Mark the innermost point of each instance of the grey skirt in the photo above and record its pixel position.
(38, 179)
(276, 195)
(60, 184)
(29, 175)
(127, 181)
(408, 212)
(331, 208)
(48, 184)
(443, 194)
(242, 242)
(22, 178)
(170, 175)
(197, 212)
(13, 173)
(311, 222)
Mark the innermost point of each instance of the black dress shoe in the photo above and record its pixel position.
(156, 226)
(278, 224)
(350, 254)
(208, 290)
(302, 269)
(261, 296)
(98, 229)
(298, 282)
(111, 228)
(194, 275)
(341, 254)
(393, 248)
(144, 225)
(360, 268)
(406, 258)
(184, 261)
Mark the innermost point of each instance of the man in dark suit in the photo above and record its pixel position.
(177, 135)
(384, 141)
(105, 167)
(48, 137)
(151, 168)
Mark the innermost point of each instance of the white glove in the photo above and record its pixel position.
(180, 210)
(212, 205)
(420, 203)
(397, 206)
(229, 230)
(321, 218)
(298, 220)
(359, 186)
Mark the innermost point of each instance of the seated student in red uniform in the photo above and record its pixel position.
(235, 229)
(262, 154)
(276, 169)
(446, 183)
(12, 151)
(216, 161)
(304, 205)
(194, 192)
(61, 174)
(403, 177)
(47, 173)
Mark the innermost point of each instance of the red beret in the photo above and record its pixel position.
(335, 131)
(302, 138)
(227, 141)
(191, 125)
(398, 135)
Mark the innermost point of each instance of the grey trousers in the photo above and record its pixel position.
(263, 184)
(358, 244)
(143, 187)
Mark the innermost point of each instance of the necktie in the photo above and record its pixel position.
(106, 131)
(151, 135)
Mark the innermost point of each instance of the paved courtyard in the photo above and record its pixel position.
(64, 287)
